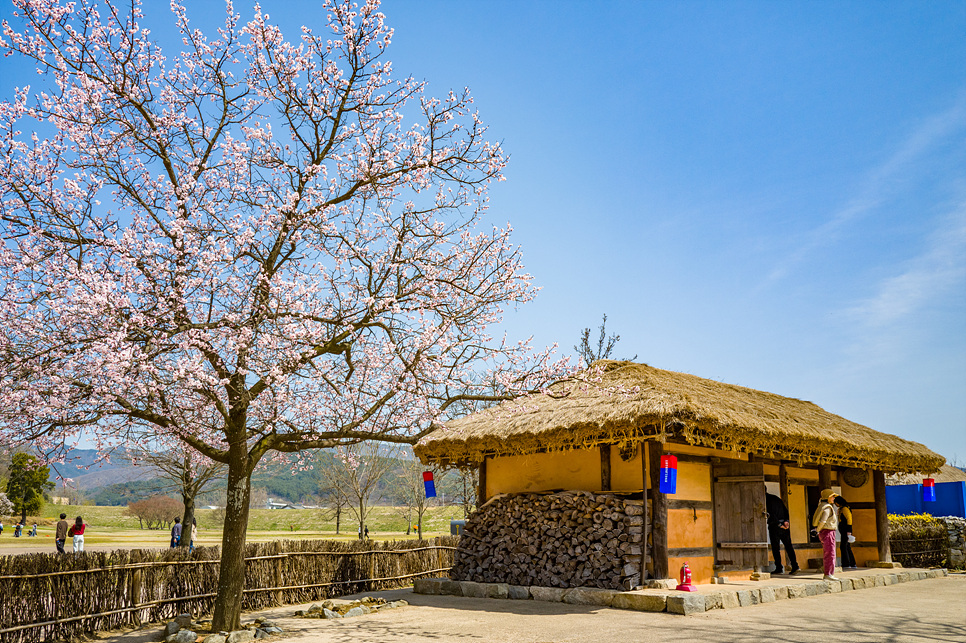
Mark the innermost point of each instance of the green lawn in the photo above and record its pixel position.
(112, 525)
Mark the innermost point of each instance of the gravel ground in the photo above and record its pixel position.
(929, 610)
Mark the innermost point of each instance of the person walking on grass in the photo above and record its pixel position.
(779, 532)
(77, 532)
(826, 522)
(176, 533)
(194, 534)
(845, 533)
(60, 536)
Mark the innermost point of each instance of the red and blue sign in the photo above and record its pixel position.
(429, 484)
(669, 474)
(928, 490)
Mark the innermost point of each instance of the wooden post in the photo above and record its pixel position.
(824, 476)
(646, 513)
(481, 493)
(658, 511)
(783, 483)
(881, 517)
(605, 467)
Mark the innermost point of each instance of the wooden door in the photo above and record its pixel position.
(740, 527)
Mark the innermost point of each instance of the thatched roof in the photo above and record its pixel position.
(946, 473)
(623, 402)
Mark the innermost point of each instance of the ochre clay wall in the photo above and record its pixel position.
(691, 528)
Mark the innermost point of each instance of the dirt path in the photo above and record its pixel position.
(930, 610)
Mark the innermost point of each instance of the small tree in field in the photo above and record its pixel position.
(355, 473)
(156, 511)
(410, 489)
(28, 484)
(251, 247)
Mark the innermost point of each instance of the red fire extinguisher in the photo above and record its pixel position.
(686, 585)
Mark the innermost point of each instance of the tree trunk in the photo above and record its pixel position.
(362, 519)
(338, 518)
(188, 519)
(231, 579)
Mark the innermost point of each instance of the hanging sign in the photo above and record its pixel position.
(928, 490)
(669, 474)
(429, 484)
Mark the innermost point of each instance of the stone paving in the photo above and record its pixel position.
(731, 595)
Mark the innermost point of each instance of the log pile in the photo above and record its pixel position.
(566, 539)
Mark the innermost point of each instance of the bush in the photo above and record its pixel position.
(918, 540)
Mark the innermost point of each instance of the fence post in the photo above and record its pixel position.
(134, 591)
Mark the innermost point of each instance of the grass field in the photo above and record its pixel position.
(113, 526)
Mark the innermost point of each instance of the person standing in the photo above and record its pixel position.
(61, 534)
(33, 530)
(17, 530)
(780, 533)
(826, 522)
(77, 531)
(176, 533)
(845, 533)
(194, 534)
(1, 527)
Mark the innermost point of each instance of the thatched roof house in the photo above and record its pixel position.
(624, 403)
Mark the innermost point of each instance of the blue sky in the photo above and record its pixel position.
(766, 194)
(770, 194)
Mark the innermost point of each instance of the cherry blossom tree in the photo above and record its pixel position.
(254, 246)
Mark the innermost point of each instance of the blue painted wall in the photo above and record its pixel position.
(906, 499)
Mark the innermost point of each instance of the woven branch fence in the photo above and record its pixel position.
(51, 597)
(918, 540)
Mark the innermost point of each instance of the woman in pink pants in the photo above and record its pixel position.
(826, 521)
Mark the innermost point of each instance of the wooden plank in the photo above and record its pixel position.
(647, 523)
(659, 511)
(881, 517)
(698, 505)
(693, 552)
(756, 478)
(605, 467)
(742, 545)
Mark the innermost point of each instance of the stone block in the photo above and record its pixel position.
(781, 592)
(181, 636)
(356, 611)
(798, 591)
(497, 590)
(767, 594)
(833, 586)
(640, 602)
(472, 590)
(549, 594)
(891, 579)
(687, 603)
(729, 600)
(214, 638)
(327, 613)
(518, 592)
(184, 620)
(171, 629)
(660, 583)
(747, 597)
(904, 577)
(428, 586)
(713, 602)
(846, 584)
(589, 596)
(879, 580)
(240, 636)
(814, 589)
(450, 588)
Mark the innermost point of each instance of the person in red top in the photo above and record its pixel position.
(77, 531)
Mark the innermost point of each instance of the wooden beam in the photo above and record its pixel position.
(658, 510)
(783, 483)
(644, 556)
(605, 467)
(481, 493)
(881, 517)
(824, 476)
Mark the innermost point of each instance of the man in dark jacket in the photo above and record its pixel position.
(779, 533)
(61, 534)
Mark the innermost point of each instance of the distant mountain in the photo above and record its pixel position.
(86, 472)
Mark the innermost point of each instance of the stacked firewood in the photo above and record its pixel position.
(566, 539)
